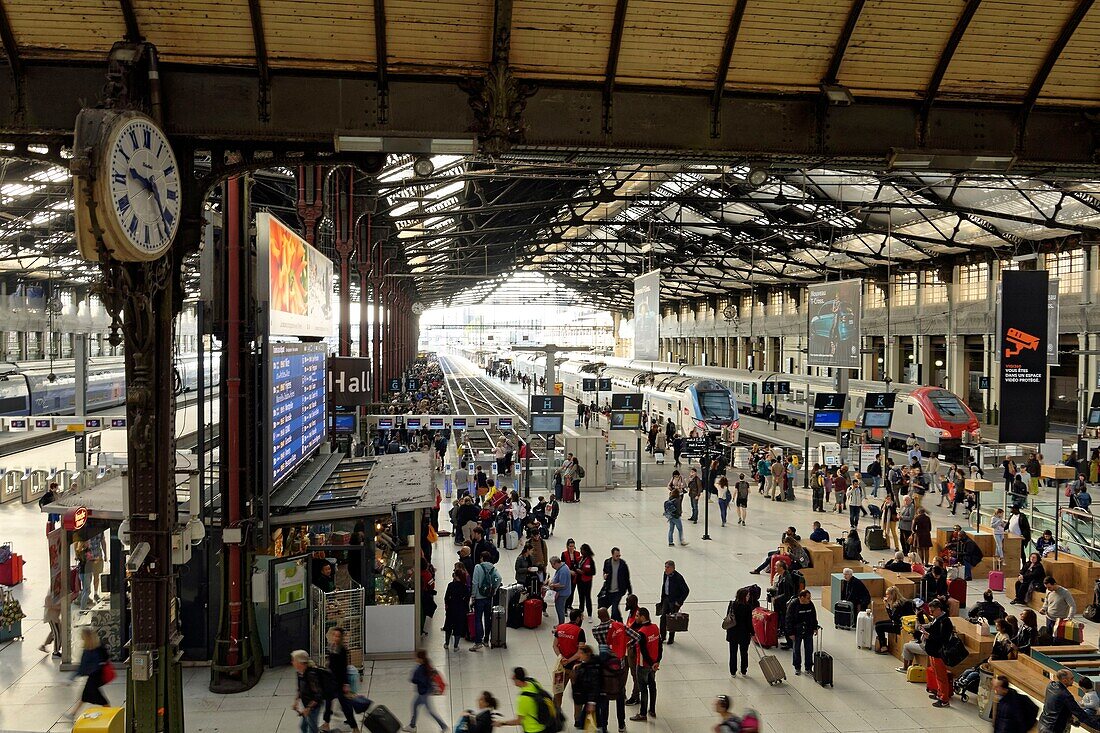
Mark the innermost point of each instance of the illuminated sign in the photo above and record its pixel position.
(298, 411)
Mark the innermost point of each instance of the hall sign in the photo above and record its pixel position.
(349, 380)
(75, 518)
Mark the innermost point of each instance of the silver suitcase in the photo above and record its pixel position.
(499, 634)
(506, 594)
(770, 666)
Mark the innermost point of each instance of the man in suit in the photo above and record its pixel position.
(616, 583)
(674, 591)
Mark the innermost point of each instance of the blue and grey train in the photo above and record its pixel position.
(41, 388)
(691, 403)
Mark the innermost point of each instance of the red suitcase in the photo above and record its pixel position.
(765, 627)
(498, 499)
(532, 613)
(11, 572)
(567, 494)
(957, 590)
(996, 580)
(471, 624)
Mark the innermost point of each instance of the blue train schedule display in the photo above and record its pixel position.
(298, 419)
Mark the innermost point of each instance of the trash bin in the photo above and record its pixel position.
(101, 720)
(985, 692)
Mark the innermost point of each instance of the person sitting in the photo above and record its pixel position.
(853, 548)
(935, 581)
(1028, 631)
(800, 557)
(1030, 579)
(966, 551)
(819, 534)
(1004, 646)
(898, 564)
(854, 591)
(1045, 544)
(987, 610)
(897, 607)
(780, 550)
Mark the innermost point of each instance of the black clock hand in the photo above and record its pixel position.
(145, 181)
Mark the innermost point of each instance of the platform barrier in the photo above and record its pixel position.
(11, 485)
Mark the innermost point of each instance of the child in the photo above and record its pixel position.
(1091, 699)
(999, 525)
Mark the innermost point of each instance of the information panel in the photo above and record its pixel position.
(298, 419)
(834, 316)
(1023, 348)
(647, 316)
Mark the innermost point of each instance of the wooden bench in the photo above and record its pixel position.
(874, 582)
(1030, 676)
(1013, 549)
(906, 583)
(824, 560)
(985, 542)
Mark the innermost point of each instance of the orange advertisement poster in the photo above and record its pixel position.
(298, 281)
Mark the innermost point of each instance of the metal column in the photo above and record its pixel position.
(80, 405)
(343, 220)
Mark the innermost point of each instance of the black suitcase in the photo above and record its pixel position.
(381, 720)
(844, 615)
(823, 665)
(874, 538)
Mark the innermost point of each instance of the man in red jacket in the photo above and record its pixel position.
(649, 662)
(618, 638)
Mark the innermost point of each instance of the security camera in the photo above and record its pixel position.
(137, 557)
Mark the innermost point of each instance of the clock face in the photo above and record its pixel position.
(144, 186)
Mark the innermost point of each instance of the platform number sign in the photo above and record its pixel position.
(547, 404)
(782, 387)
(604, 385)
(983, 382)
(627, 401)
(588, 385)
(768, 388)
(412, 385)
(395, 385)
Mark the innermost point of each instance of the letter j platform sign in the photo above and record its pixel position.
(349, 380)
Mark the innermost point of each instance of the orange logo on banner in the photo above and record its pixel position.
(75, 518)
(1020, 341)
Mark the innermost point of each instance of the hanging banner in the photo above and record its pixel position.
(295, 279)
(647, 316)
(1022, 343)
(834, 323)
(1052, 322)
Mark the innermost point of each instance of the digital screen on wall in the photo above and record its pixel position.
(826, 419)
(344, 423)
(877, 418)
(298, 419)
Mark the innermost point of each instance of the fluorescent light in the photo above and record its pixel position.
(400, 144)
(949, 160)
(1026, 257)
(837, 94)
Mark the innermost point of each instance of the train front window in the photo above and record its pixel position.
(715, 405)
(948, 406)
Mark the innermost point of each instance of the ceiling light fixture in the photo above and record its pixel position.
(838, 95)
(949, 160)
(757, 176)
(423, 166)
(409, 145)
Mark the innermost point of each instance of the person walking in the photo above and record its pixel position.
(486, 581)
(674, 508)
(527, 703)
(310, 693)
(674, 592)
(695, 490)
(936, 635)
(1015, 713)
(337, 658)
(52, 609)
(584, 572)
(922, 534)
(906, 514)
(725, 497)
(740, 633)
(94, 660)
(456, 605)
(855, 502)
(561, 582)
(424, 678)
(616, 582)
(651, 649)
(801, 629)
(587, 687)
(741, 499)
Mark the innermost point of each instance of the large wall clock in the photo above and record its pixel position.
(132, 197)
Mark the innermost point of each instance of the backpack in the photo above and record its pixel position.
(327, 682)
(671, 512)
(488, 585)
(1029, 712)
(799, 580)
(547, 715)
(614, 675)
(580, 471)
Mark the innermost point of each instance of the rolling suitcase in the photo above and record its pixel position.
(381, 720)
(659, 457)
(765, 627)
(873, 538)
(499, 634)
(865, 630)
(770, 666)
(957, 590)
(101, 720)
(11, 571)
(916, 673)
(508, 594)
(844, 615)
(996, 580)
(823, 665)
(511, 540)
(471, 627)
(567, 494)
(532, 613)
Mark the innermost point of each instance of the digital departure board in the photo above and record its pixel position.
(298, 419)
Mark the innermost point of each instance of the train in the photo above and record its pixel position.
(941, 422)
(692, 403)
(42, 388)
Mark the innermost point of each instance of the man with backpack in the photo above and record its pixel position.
(615, 639)
(673, 511)
(535, 711)
(486, 582)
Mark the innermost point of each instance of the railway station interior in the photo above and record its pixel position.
(428, 325)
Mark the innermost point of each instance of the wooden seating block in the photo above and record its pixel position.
(1058, 472)
(816, 576)
(904, 582)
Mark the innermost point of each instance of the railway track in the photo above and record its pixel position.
(472, 394)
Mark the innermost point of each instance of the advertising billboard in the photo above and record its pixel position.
(295, 279)
(834, 322)
(1022, 344)
(647, 316)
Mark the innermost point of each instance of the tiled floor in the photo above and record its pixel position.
(868, 696)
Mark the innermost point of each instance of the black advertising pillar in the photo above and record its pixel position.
(1022, 343)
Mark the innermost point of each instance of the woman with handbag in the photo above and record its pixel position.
(738, 626)
(94, 663)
